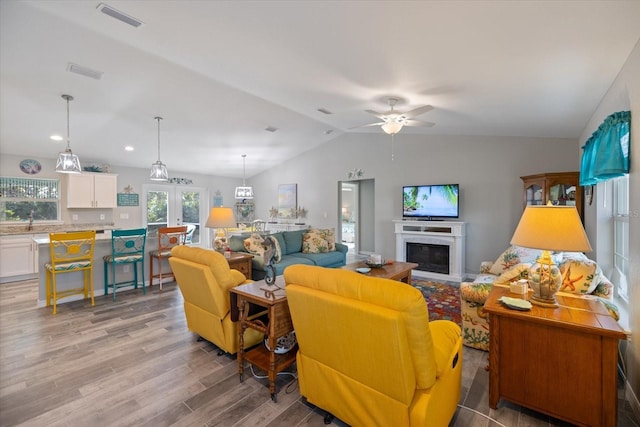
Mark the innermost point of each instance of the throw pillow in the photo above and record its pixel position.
(580, 276)
(515, 255)
(314, 242)
(253, 244)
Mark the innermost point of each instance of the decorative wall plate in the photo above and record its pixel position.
(30, 166)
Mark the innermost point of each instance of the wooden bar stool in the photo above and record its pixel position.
(127, 247)
(168, 237)
(70, 252)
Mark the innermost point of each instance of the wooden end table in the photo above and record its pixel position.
(400, 271)
(250, 298)
(560, 361)
(242, 262)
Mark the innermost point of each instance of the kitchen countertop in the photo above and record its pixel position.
(15, 230)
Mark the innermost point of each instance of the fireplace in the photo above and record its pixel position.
(433, 258)
(436, 246)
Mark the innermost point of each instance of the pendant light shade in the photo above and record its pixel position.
(67, 161)
(159, 169)
(244, 192)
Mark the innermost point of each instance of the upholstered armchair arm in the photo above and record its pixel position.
(604, 289)
(342, 248)
(485, 267)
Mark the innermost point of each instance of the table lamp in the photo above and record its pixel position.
(550, 228)
(220, 218)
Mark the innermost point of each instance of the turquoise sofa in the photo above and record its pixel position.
(290, 243)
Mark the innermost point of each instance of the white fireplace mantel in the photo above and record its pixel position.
(449, 233)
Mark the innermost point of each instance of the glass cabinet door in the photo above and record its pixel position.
(534, 194)
(563, 194)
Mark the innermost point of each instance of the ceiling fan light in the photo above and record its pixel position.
(159, 172)
(68, 162)
(392, 128)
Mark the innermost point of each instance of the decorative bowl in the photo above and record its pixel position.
(363, 270)
(374, 265)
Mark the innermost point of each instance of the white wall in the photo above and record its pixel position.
(624, 94)
(488, 170)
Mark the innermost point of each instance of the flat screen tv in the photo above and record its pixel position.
(430, 202)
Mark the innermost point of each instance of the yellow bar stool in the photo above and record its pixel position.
(168, 237)
(70, 252)
(127, 247)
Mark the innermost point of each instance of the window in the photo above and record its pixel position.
(27, 199)
(621, 237)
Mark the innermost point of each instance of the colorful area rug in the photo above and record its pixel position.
(443, 300)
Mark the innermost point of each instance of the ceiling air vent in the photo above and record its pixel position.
(120, 16)
(271, 129)
(324, 111)
(84, 71)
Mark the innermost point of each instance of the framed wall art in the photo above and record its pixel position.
(287, 200)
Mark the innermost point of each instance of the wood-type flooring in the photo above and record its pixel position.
(134, 363)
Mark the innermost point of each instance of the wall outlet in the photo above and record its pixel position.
(124, 215)
(102, 216)
(125, 268)
(74, 217)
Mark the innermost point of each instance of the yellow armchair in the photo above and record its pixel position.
(204, 279)
(367, 351)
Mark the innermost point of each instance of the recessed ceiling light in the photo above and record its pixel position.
(56, 137)
(328, 131)
(128, 148)
(271, 129)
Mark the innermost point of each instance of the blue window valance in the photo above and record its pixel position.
(606, 152)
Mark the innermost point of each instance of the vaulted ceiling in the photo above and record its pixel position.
(221, 72)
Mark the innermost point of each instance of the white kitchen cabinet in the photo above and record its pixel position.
(18, 256)
(92, 190)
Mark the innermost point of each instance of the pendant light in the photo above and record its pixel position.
(244, 192)
(67, 161)
(159, 169)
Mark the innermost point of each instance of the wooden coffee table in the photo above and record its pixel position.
(400, 271)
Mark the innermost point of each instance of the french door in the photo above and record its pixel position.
(171, 205)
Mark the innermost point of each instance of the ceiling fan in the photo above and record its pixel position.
(393, 120)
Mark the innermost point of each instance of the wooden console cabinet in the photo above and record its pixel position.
(560, 361)
(560, 188)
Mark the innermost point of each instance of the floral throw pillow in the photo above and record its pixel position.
(580, 276)
(515, 255)
(317, 241)
(254, 244)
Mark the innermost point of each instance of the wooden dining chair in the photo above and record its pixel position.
(70, 252)
(127, 247)
(168, 237)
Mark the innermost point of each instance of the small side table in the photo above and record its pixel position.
(241, 262)
(247, 298)
(559, 361)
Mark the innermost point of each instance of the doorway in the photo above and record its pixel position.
(168, 206)
(356, 216)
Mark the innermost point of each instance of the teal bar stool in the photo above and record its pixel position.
(127, 247)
